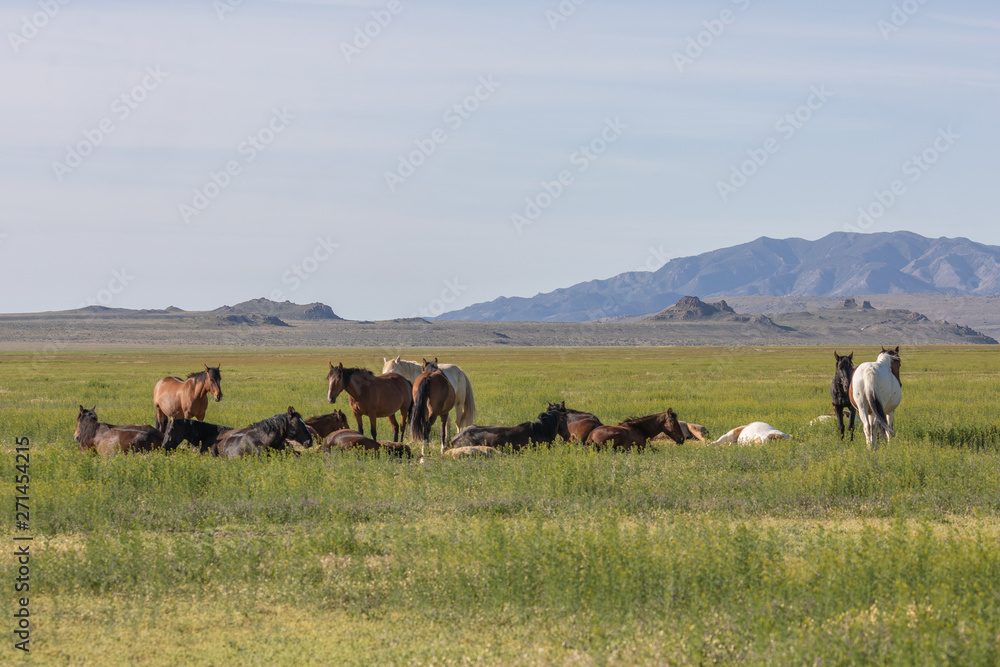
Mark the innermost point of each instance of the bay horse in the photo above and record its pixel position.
(271, 433)
(633, 433)
(200, 434)
(876, 392)
(465, 399)
(188, 399)
(840, 391)
(580, 424)
(433, 397)
(344, 440)
(543, 430)
(96, 436)
(324, 425)
(371, 396)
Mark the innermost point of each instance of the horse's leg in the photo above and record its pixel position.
(373, 419)
(839, 411)
(853, 415)
(395, 427)
(444, 430)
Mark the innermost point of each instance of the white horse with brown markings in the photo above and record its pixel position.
(754, 433)
(465, 400)
(876, 391)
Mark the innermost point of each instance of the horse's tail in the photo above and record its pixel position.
(468, 407)
(420, 428)
(878, 412)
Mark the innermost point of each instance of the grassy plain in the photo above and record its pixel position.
(782, 554)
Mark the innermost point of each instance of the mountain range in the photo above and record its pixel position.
(841, 263)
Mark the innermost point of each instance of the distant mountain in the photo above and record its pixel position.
(284, 310)
(840, 263)
(253, 312)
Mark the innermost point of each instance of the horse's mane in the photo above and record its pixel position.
(347, 373)
(197, 375)
(276, 423)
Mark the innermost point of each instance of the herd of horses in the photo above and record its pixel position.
(421, 393)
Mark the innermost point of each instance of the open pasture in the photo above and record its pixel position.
(777, 554)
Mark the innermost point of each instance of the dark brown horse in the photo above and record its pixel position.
(200, 434)
(433, 397)
(580, 424)
(633, 433)
(268, 434)
(371, 396)
(543, 430)
(345, 440)
(187, 399)
(324, 425)
(840, 391)
(96, 436)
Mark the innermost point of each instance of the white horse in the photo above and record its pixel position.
(876, 392)
(754, 433)
(465, 401)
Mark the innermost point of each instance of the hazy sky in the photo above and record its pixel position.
(208, 152)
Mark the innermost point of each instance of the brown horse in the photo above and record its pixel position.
(580, 424)
(324, 425)
(635, 432)
(371, 396)
(95, 436)
(433, 397)
(345, 440)
(188, 399)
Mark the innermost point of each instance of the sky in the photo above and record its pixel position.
(395, 158)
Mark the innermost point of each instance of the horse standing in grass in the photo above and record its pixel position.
(372, 396)
(433, 396)
(876, 392)
(267, 434)
(633, 433)
(465, 400)
(840, 391)
(96, 436)
(188, 399)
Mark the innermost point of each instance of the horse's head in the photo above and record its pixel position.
(297, 431)
(845, 363)
(671, 427)
(392, 365)
(213, 380)
(894, 362)
(429, 366)
(84, 419)
(335, 382)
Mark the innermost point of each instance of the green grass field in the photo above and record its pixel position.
(812, 551)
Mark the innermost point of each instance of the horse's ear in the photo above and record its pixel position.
(218, 366)
(435, 360)
(399, 357)
(836, 356)
(291, 410)
(340, 365)
(206, 368)
(384, 361)
(82, 410)
(851, 356)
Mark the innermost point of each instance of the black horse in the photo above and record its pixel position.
(840, 391)
(544, 429)
(200, 434)
(265, 435)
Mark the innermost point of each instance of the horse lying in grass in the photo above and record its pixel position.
(475, 451)
(580, 424)
(633, 433)
(97, 436)
(754, 433)
(346, 440)
(266, 435)
(199, 434)
(465, 400)
(876, 391)
(324, 425)
(543, 430)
